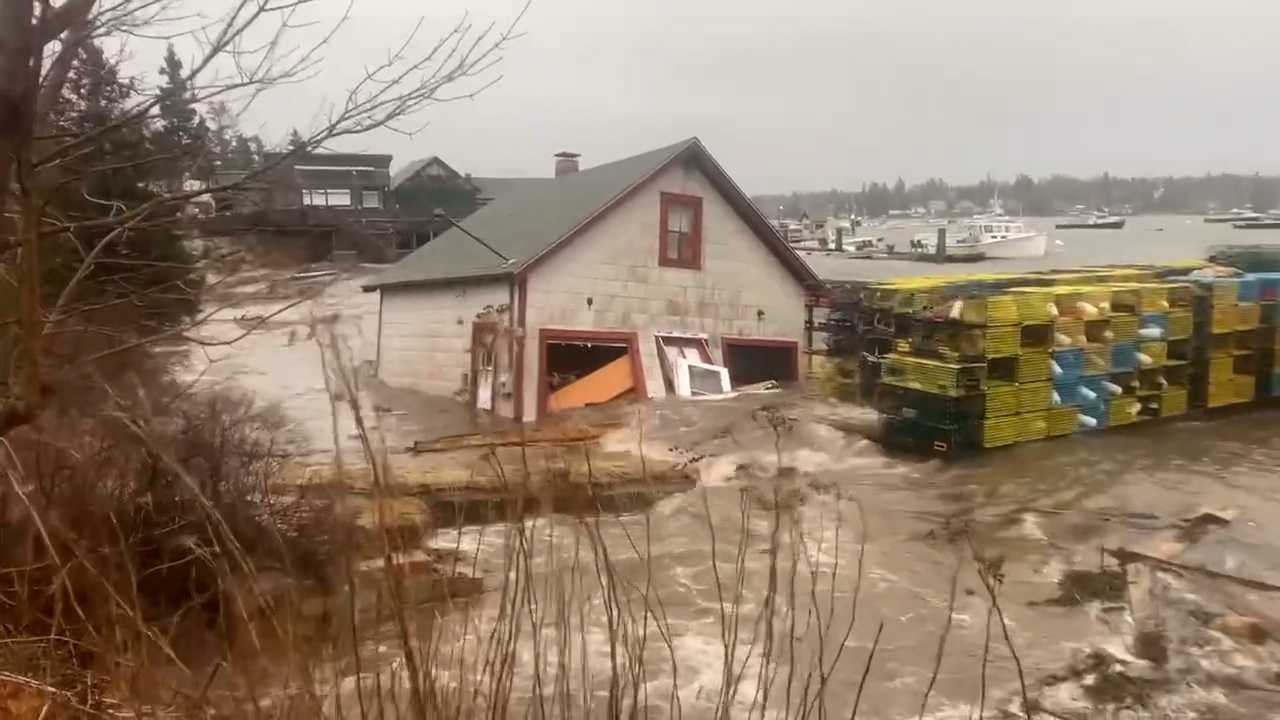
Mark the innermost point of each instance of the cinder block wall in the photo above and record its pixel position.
(426, 337)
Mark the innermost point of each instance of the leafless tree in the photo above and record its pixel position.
(242, 48)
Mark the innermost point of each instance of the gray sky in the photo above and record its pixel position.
(818, 93)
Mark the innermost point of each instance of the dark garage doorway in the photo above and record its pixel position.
(756, 360)
(574, 368)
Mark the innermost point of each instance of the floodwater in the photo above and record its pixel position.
(1145, 239)
(1037, 511)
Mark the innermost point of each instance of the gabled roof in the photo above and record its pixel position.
(408, 172)
(528, 219)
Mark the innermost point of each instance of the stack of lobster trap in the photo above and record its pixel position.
(988, 361)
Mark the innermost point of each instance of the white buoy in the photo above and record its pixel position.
(1088, 394)
(1060, 339)
(1057, 399)
(1113, 388)
(957, 308)
(1053, 311)
(1086, 310)
(1087, 421)
(1151, 333)
(1057, 371)
(1144, 360)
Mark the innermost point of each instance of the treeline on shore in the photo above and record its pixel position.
(1027, 196)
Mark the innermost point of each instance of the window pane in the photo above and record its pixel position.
(371, 199)
(679, 217)
(339, 198)
(675, 242)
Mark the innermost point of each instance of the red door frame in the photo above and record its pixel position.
(550, 335)
(728, 341)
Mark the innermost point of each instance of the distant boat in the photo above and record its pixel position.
(1094, 221)
(1235, 215)
(992, 236)
(1269, 224)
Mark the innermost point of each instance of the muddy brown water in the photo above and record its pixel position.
(1044, 508)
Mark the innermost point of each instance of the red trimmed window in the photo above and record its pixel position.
(680, 232)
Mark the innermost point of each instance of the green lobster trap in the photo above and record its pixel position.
(1033, 304)
(920, 436)
(932, 408)
(1001, 431)
(1157, 353)
(1124, 328)
(1034, 396)
(1097, 359)
(1123, 410)
(989, 310)
(1036, 336)
(935, 376)
(1032, 367)
(1222, 319)
(1033, 426)
(1248, 316)
(1001, 398)
(1068, 332)
(1181, 324)
(1173, 402)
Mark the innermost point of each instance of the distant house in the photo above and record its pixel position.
(937, 207)
(965, 207)
(341, 182)
(635, 277)
(429, 184)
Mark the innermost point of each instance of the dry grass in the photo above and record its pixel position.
(151, 569)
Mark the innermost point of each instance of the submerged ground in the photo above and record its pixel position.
(1200, 492)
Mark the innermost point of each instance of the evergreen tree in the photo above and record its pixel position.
(242, 155)
(149, 256)
(182, 135)
(296, 141)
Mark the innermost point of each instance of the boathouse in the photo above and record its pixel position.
(623, 279)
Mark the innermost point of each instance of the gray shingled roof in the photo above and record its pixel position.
(523, 221)
(492, 187)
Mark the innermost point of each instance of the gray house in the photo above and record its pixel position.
(598, 283)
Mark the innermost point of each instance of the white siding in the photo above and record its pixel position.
(615, 263)
(426, 337)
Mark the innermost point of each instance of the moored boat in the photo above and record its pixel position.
(1235, 215)
(1093, 222)
(993, 236)
(1260, 224)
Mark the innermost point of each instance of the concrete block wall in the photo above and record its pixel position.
(425, 340)
(615, 264)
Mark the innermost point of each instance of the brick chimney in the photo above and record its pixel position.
(566, 163)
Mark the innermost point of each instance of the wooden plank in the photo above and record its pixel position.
(600, 386)
(552, 435)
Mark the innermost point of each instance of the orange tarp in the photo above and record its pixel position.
(600, 386)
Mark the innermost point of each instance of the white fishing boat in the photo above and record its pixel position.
(1235, 215)
(1003, 237)
(992, 236)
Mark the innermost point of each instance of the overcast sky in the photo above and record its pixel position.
(811, 94)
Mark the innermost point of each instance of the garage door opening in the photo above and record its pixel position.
(752, 360)
(583, 368)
